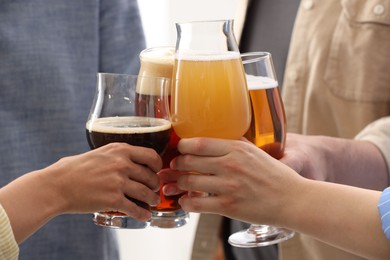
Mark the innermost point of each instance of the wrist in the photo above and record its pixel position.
(50, 192)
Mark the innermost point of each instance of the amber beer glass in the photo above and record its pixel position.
(268, 132)
(209, 92)
(268, 125)
(158, 62)
(119, 114)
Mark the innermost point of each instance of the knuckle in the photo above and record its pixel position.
(199, 145)
(186, 182)
(228, 204)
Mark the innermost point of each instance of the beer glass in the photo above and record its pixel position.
(268, 132)
(209, 92)
(133, 110)
(158, 61)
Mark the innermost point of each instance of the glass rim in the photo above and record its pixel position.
(131, 76)
(205, 21)
(254, 56)
(157, 48)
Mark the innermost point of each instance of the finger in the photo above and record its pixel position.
(137, 154)
(199, 182)
(142, 174)
(171, 189)
(209, 204)
(199, 164)
(133, 210)
(168, 175)
(141, 193)
(205, 146)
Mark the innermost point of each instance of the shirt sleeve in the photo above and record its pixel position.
(378, 133)
(384, 211)
(9, 249)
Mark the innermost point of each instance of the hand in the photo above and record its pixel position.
(246, 183)
(100, 179)
(307, 156)
(169, 179)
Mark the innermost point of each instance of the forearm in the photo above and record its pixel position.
(355, 163)
(30, 202)
(343, 216)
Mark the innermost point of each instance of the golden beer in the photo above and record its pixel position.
(208, 96)
(267, 129)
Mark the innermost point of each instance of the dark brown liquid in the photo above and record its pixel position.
(168, 203)
(157, 140)
(127, 130)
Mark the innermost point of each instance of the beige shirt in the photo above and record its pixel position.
(337, 81)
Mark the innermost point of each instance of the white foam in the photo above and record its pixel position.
(259, 82)
(159, 55)
(207, 56)
(127, 125)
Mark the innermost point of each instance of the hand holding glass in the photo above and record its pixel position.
(268, 132)
(132, 110)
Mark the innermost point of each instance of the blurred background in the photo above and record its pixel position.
(158, 18)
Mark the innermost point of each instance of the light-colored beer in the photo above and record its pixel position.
(267, 129)
(209, 96)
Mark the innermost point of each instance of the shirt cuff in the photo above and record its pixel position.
(384, 211)
(9, 249)
(378, 133)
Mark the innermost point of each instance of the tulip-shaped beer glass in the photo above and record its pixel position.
(268, 132)
(134, 110)
(209, 93)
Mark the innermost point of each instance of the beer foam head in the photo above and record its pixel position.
(207, 56)
(128, 125)
(259, 82)
(160, 55)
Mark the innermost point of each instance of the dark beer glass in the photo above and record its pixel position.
(120, 114)
(268, 132)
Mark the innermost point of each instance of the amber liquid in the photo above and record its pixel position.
(268, 125)
(209, 97)
(168, 203)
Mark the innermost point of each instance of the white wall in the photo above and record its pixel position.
(159, 17)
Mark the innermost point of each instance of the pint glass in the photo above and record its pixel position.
(158, 62)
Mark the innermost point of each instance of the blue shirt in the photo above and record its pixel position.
(50, 52)
(384, 211)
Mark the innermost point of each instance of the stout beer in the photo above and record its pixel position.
(134, 130)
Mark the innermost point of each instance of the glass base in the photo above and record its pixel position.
(169, 219)
(260, 235)
(113, 221)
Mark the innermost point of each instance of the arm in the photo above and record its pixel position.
(90, 182)
(343, 216)
(351, 162)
